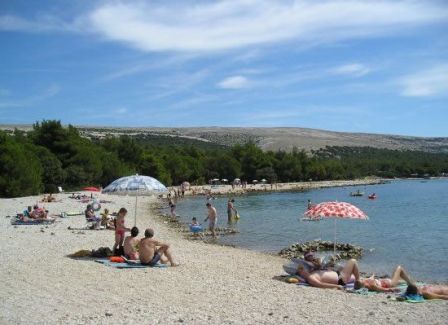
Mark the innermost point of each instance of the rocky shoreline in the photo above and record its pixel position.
(344, 250)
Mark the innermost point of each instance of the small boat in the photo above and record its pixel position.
(357, 193)
(372, 196)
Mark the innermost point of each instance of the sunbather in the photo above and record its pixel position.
(429, 291)
(106, 220)
(386, 284)
(38, 213)
(328, 279)
(91, 217)
(152, 250)
(130, 245)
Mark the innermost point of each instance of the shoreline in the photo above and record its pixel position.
(226, 189)
(214, 284)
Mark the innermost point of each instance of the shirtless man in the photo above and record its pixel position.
(327, 279)
(212, 218)
(153, 250)
(130, 245)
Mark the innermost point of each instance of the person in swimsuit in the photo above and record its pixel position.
(329, 279)
(131, 245)
(231, 211)
(152, 250)
(387, 285)
(212, 218)
(120, 229)
(429, 291)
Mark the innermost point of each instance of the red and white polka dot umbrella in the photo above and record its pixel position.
(335, 209)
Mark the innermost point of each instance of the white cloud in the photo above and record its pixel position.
(225, 25)
(430, 82)
(234, 82)
(42, 23)
(47, 93)
(353, 69)
(121, 110)
(187, 26)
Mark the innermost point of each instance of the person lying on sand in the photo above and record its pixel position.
(429, 291)
(386, 284)
(152, 250)
(131, 244)
(329, 279)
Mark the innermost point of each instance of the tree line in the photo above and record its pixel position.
(51, 155)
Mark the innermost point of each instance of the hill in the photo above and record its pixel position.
(266, 138)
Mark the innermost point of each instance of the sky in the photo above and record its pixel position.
(376, 66)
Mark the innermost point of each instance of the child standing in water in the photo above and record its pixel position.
(120, 229)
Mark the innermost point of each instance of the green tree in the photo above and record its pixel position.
(20, 171)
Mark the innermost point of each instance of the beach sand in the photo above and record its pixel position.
(213, 285)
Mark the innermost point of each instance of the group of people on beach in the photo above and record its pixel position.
(148, 250)
(317, 275)
(36, 212)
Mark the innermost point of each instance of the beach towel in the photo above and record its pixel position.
(71, 213)
(411, 298)
(126, 265)
(31, 222)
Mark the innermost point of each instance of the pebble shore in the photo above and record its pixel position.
(213, 285)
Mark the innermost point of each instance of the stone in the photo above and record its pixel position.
(108, 314)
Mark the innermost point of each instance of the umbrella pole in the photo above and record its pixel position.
(135, 211)
(334, 244)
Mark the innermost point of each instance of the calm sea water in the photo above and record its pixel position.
(408, 224)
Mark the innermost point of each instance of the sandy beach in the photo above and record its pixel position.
(213, 285)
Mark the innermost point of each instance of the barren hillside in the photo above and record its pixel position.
(273, 138)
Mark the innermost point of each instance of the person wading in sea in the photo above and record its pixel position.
(212, 217)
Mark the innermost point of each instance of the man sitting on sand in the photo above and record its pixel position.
(152, 250)
(131, 244)
(329, 279)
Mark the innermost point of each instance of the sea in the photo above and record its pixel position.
(408, 224)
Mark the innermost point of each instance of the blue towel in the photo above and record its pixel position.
(127, 265)
(19, 222)
(413, 298)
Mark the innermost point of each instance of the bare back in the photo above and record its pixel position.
(147, 249)
(130, 245)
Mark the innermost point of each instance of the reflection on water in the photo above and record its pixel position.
(408, 224)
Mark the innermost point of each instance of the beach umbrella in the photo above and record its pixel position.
(185, 185)
(91, 189)
(135, 185)
(263, 180)
(335, 210)
(254, 181)
(224, 180)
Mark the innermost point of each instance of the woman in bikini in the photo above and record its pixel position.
(120, 229)
(387, 285)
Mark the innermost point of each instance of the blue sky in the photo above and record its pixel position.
(360, 66)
